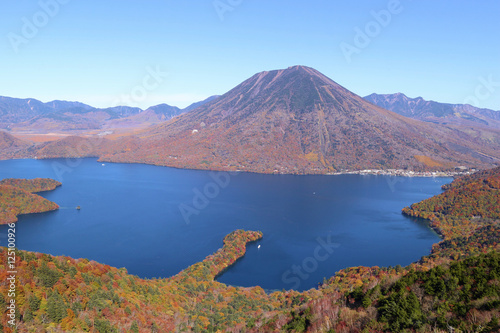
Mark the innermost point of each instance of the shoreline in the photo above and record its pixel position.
(381, 172)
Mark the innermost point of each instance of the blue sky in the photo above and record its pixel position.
(103, 53)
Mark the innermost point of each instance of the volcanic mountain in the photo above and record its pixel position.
(297, 120)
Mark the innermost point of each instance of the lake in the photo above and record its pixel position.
(156, 221)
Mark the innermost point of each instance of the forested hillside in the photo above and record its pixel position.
(32, 185)
(17, 197)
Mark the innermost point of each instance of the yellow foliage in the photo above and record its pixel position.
(312, 157)
(427, 161)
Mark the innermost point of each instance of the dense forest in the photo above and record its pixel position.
(32, 185)
(468, 204)
(455, 288)
(17, 197)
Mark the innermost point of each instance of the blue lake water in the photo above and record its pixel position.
(154, 221)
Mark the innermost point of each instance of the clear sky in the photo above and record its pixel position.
(144, 53)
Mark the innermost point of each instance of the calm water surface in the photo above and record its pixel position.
(153, 220)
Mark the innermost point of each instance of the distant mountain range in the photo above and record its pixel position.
(442, 113)
(294, 120)
(34, 115)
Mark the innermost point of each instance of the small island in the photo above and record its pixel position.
(17, 197)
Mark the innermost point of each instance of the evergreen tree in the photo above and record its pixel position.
(134, 328)
(56, 307)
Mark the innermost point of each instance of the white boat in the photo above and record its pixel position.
(258, 247)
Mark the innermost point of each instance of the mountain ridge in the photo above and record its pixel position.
(32, 115)
(294, 120)
(432, 111)
(297, 120)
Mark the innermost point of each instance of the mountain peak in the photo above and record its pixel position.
(305, 70)
(297, 70)
(297, 120)
(299, 67)
(294, 90)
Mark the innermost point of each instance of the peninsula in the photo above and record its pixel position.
(17, 196)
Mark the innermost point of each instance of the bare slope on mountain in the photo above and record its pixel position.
(299, 121)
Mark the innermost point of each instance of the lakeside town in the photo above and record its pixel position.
(459, 171)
